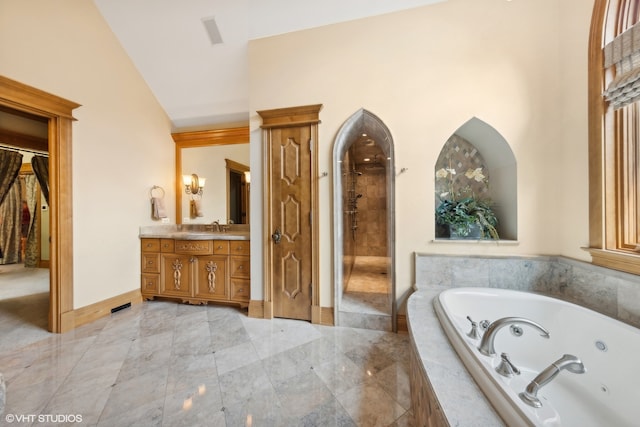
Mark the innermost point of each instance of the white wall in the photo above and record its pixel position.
(425, 72)
(122, 142)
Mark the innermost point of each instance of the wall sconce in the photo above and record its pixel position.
(247, 177)
(193, 184)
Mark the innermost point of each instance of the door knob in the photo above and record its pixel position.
(276, 236)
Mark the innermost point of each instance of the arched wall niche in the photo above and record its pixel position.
(496, 156)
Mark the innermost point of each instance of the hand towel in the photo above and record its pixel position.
(158, 209)
(198, 206)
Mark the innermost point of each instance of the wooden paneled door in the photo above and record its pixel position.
(291, 267)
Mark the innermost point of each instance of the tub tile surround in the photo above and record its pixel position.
(610, 292)
(456, 393)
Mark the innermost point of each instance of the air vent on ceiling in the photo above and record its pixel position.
(212, 29)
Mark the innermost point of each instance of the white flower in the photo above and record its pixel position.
(445, 194)
(441, 173)
(475, 174)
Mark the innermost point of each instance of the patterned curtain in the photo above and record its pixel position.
(40, 166)
(10, 215)
(32, 251)
(10, 163)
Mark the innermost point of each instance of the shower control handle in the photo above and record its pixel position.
(276, 236)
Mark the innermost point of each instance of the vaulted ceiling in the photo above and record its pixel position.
(199, 78)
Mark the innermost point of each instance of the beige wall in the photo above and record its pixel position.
(121, 142)
(425, 72)
(520, 66)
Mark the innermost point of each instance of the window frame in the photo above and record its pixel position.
(614, 149)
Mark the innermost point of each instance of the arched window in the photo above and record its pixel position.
(614, 134)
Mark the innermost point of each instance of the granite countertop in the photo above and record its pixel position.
(460, 398)
(193, 232)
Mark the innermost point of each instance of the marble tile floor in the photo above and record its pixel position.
(24, 306)
(17, 281)
(162, 363)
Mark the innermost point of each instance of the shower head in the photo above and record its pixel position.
(358, 196)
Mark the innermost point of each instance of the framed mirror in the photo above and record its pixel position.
(220, 158)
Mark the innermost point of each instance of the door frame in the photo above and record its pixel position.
(307, 115)
(59, 113)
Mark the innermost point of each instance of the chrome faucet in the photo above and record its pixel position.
(215, 225)
(486, 345)
(567, 362)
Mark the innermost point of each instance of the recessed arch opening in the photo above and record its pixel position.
(364, 224)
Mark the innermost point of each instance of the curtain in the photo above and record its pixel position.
(32, 251)
(11, 214)
(623, 54)
(40, 166)
(10, 163)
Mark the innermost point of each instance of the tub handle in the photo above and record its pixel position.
(506, 368)
(474, 333)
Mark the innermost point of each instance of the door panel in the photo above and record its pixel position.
(291, 215)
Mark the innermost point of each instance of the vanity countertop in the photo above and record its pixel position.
(191, 233)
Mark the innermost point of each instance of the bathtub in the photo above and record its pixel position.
(607, 394)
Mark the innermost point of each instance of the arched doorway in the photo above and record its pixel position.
(364, 224)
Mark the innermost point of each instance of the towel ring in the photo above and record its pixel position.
(156, 187)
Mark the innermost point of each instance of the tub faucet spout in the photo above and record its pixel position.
(486, 345)
(567, 362)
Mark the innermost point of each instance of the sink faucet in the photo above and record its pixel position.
(486, 345)
(567, 362)
(215, 225)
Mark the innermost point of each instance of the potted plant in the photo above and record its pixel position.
(464, 213)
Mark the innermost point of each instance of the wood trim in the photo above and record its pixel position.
(58, 111)
(326, 316)
(22, 140)
(239, 135)
(316, 314)
(621, 261)
(90, 313)
(204, 138)
(28, 99)
(290, 116)
(256, 309)
(401, 323)
(596, 110)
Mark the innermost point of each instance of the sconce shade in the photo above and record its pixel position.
(193, 184)
(247, 177)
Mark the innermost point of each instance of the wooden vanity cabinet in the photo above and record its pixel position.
(196, 271)
(210, 278)
(239, 276)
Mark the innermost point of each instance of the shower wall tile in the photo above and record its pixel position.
(610, 292)
(371, 234)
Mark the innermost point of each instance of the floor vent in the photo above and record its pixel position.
(121, 307)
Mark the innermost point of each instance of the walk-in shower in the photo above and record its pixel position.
(364, 224)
